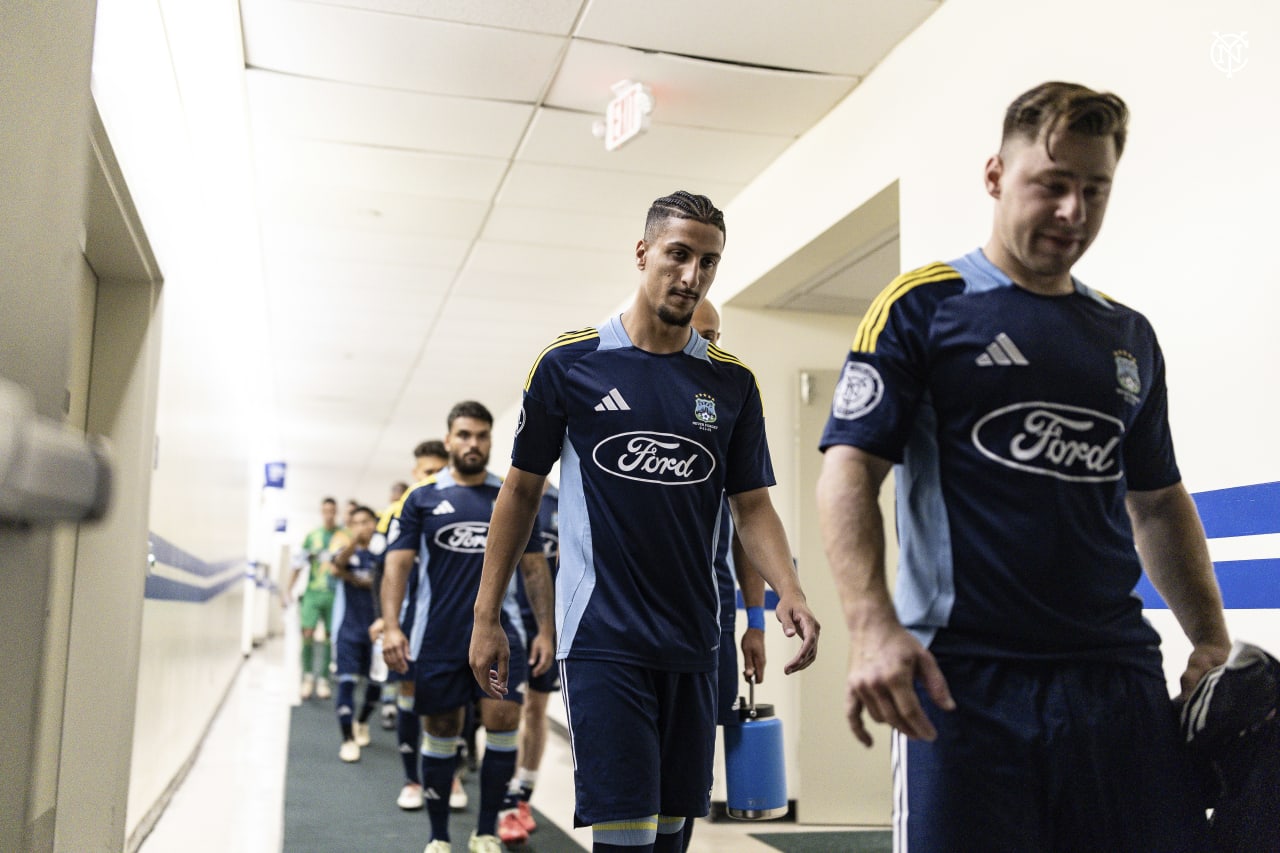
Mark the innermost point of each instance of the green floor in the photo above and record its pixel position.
(332, 807)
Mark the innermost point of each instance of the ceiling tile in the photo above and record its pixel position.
(698, 92)
(848, 37)
(613, 193)
(539, 16)
(282, 105)
(386, 169)
(392, 51)
(563, 137)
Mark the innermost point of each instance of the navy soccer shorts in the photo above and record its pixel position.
(353, 653)
(643, 740)
(1047, 756)
(441, 687)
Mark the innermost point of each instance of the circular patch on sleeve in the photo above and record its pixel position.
(858, 391)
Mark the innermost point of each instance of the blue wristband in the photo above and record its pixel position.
(755, 618)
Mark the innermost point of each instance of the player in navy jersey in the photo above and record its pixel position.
(533, 732)
(652, 425)
(429, 457)
(352, 616)
(1027, 416)
(444, 522)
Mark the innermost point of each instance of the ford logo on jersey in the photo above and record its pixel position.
(1065, 442)
(654, 457)
(465, 537)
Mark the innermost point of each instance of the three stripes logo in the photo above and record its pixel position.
(443, 508)
(612, 402)
(1002, 351)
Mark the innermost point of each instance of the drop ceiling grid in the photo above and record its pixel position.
(396, 52)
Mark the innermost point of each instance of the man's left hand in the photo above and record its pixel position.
(797, 619)
(490, 658)
(753, 655)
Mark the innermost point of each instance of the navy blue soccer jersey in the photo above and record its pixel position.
(648, 444)
(1019, 421)
(353, 605)
(447, 526)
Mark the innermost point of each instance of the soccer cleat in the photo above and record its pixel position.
(322, 689)
(361, 731)
(439, 847)
(308, 686)
(525, 813)
(484, 844)
(457, 796)
(388, 714)
(411, 798)
(350, 751)
(511, 829)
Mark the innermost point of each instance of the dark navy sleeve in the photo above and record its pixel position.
(1149, 461)
(404, 531)
(540, 431)
(884, 375)
(747, 464)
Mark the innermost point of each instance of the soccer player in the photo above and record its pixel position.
(352, 616)
(429, 457)
(731, 561)
(444, 521)
(652, 426)
(316, 605)
(533, 732)
(1028, 419)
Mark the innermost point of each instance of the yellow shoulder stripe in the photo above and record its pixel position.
(567, 338)
(877, 315)
(728, 357)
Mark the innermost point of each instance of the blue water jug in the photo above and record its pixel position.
(755, 767)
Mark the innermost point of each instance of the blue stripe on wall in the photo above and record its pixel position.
(1240, 511)
(171, 589)
(167, 589)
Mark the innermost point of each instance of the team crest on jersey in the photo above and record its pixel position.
(1127, 376)
(858, 391)
(704, 410)
(464, 537)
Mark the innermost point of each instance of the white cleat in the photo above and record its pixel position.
(411, 798)
(361, 731)
(458, 795)
(308, 686)
(349, 751)
(322, 689)
(439, 847)
(484, 844)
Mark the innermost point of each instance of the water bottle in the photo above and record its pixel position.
(755, 767)
(377, 664)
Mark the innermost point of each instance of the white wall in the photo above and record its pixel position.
(189, 177)
(1188, 237)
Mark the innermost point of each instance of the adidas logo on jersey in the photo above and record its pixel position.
(1002, 351)
(612, 402)
(444, 508)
